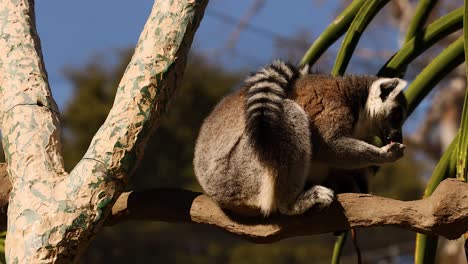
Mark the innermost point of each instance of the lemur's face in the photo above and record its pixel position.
(386, 106)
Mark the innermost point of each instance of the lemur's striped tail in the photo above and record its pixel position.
(266, 90)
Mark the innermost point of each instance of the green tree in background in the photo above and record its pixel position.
(94, 87)
(402, 180)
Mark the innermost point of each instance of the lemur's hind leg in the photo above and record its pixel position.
(317, 196)
(293, 166)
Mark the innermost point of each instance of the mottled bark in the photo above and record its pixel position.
(52, 215)
(444, 213)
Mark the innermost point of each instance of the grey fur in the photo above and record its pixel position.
(254, 150)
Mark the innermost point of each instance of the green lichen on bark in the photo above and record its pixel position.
(52, 215)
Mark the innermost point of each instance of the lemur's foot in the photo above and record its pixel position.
(323, 196)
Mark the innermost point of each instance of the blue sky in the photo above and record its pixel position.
(72, 31)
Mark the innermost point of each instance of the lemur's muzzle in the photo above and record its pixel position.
(393, 135)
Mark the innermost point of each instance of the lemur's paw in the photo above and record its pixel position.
(393, 151)
(323, 196)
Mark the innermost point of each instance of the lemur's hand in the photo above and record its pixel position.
(393, 151)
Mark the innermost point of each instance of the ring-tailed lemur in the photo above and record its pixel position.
(261, 144)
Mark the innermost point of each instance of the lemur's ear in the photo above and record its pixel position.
(389, 88)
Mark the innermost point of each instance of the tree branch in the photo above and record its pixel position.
(30, 128)
(445, 213)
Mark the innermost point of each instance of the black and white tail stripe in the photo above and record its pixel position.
(266, 89)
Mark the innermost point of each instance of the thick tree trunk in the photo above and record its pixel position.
(53, 215)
